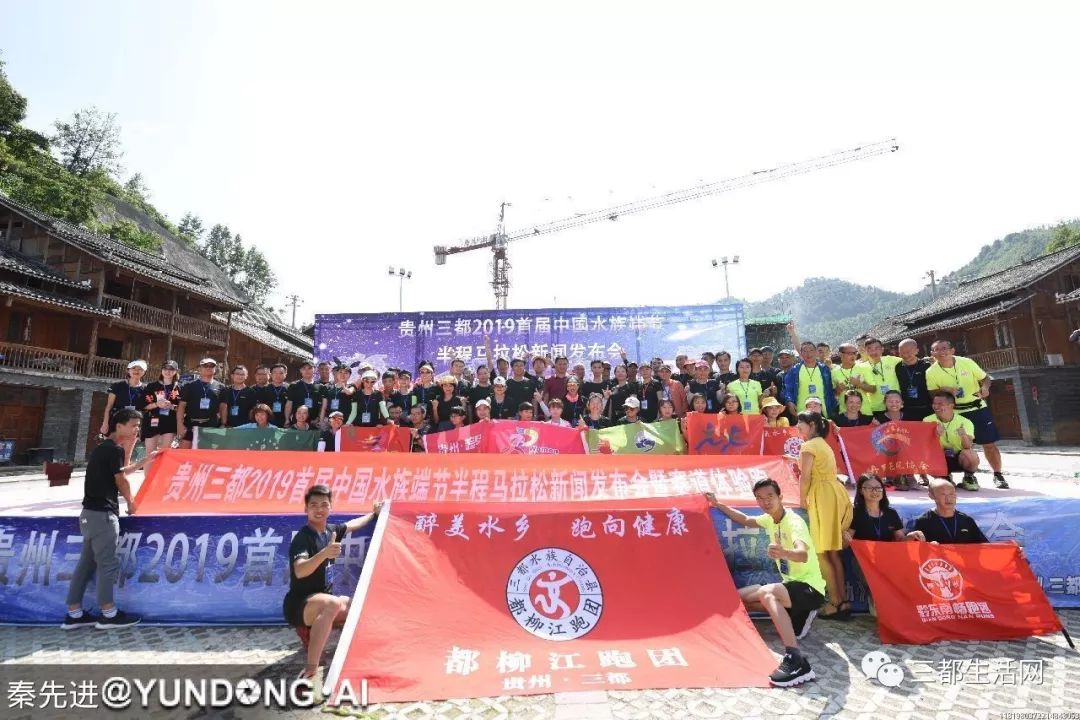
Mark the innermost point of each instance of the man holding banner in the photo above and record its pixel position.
(793, 602)
(310, 606)
(956, 434)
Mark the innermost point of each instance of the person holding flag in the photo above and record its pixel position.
(956, 434)
(793, 602)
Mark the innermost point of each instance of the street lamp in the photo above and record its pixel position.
(724, 261)
(402, 275)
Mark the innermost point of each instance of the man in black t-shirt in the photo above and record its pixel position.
(310, 605)
(702, 385)
(723, 364)
(520, 388)
(275, 394)
(648, 392)
(304, 392)
(99, 524)
(501, 406)
(911, 374)
(200, 403)
(237, 400)
(596, 383)
(945, 524)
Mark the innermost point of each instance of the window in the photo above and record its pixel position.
(18, 328)
(1002, 336)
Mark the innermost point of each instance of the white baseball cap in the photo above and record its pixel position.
(500, 380)
(631, 402)
(483, 401)
(137, 364)
(208, 361)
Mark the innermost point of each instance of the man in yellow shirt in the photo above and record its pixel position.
(875, 377)
(957, 437)
(843, 373)
(969, 385)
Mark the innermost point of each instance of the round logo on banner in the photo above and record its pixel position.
(941, 579)
(643, 442)
(792, 446)
(889, 439)
(554, 594)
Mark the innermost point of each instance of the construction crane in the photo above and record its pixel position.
(497, 241)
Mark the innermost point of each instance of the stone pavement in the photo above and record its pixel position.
(944, 681)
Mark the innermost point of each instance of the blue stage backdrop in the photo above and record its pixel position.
(581, 334)
(233, 569)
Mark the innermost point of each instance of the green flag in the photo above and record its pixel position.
(256, 439)
(658, 438)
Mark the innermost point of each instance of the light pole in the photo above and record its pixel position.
(402, 275)
(724, 261)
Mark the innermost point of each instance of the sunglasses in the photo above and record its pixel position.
(873, 488)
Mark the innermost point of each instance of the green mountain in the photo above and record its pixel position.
(835, 311)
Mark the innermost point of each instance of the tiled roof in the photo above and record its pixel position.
(888, 330)
(990, 287)
(967, 317)
(261, 326)
(1074, 296)
(16, 262)
(190, 279)
(48, 298)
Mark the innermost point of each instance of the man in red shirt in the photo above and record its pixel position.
(555, 387)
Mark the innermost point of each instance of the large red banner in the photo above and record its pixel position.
(208, 482)
(468, 439)
(895, 448)
(925, 593)
(713, 434)
(385, 438)
(481, 600)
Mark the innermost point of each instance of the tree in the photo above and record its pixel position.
(1063, 236)
(88, 142)
(191, 229)
(136, 187)
(248, 268)
(12, 105)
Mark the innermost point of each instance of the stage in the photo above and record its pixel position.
(231, 569)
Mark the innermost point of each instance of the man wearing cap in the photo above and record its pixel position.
(631, 406)
(703, 385)
(808, 378)
(305, 392)
(338, 395)
(126, 394)
(767, 354)
(237, 400)
(482, 410)
(501, 406)
(200, 403)
(329, 436)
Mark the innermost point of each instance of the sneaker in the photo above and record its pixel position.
(1000, 482)
(804, 630)
(969, 483)
(792, 671)
(70, 623)
(119, 620)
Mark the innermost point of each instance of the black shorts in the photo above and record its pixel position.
(293, 610)
(804, 600)
(952, 462)
(166, 425)
(189, 435)
(985, 430)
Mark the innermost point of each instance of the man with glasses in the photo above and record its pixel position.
(970, 386)
(200, 403)
(424, 391)
(876, 376)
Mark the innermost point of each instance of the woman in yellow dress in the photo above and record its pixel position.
(828, 508)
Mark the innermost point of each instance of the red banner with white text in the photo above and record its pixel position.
(539, 599)
(714, 434)
(515, 437)
(385, 438)
(468, 439)
(925, 593)
(229, 482)
(895, 448)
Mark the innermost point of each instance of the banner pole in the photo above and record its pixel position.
(357, 604)
(1066, 634)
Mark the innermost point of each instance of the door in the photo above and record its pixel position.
(1003, 407)
(21, 420)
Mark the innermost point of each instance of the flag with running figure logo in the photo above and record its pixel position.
(254, 439)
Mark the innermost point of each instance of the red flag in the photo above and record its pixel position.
(712, 434)
(895, 448)
(467, 439)
(925, 593)
(480, 600)
(385, 438)
(517, 437)
(781, 441)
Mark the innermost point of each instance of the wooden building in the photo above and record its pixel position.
(1016, 324)
(76, 307)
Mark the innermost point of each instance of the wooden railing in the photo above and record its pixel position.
(161, 320)
(1009, 357)
(108, 368)
(28, 357)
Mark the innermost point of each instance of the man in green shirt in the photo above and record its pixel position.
(970, 386)
(793, 602)
(876, 376)
(956, 434)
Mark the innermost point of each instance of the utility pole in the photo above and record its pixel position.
(933, 283)
(294, 300)
(403, 275)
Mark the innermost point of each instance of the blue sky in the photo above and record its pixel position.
(343, 137)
